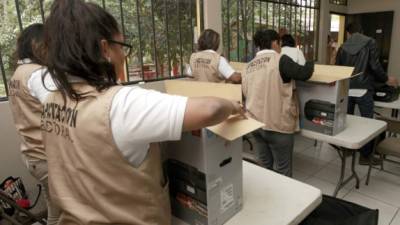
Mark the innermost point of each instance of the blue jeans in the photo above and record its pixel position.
(274, 150)
(366, 106)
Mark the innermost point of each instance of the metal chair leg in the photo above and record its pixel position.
(353, 169)
(369, 173)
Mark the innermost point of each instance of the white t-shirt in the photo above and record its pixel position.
(35, 84)
(295, 54)
(224, 68)
(138, 116)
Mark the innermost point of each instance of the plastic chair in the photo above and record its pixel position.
(390, 146)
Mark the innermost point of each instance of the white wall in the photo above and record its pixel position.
(10, 156)
(213, 17)
(362, 6)
(325, 25)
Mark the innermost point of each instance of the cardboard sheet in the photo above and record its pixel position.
(235, 127)
(330, 73)
(230, 129)
(201, 89)
(238, 66)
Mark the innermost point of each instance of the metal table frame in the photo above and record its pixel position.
(343, 154)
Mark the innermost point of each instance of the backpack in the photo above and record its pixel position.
(334, 211)
(386, 93)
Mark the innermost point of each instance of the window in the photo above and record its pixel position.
(161, 31)
(338, 2)
(242, 18)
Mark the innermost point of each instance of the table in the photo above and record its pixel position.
(358, 132)
(395, 106)
(270, 198)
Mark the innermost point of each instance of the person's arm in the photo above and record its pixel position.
(290, 70)
(207, 111)
(140, 116)
(374, 64)
(235, 78)
(228, 72)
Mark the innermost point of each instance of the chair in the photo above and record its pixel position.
(390, 146)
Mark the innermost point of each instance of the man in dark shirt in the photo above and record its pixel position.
(361, 52)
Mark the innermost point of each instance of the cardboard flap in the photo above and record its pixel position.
(235, 127)
(238, 66)
(330, 73)
(202, 89)
(230, 129)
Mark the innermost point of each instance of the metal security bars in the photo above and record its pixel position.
(338, 2)
(161, 31)
(242, 18)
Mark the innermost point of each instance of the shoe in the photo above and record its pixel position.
(366, 160)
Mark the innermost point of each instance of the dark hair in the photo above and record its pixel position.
(288, 40)
(263, 38)
(73, 34)
(29, 43)
(209, 39)
(353, 28)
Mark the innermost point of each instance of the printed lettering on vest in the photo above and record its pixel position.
(257, 64)
(58, 119)
(202, 63)
(14, 87)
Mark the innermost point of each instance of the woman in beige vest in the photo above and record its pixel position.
(26, 88)
(104, 167)
(209, 66)
(269, 90)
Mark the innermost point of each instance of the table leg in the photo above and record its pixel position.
(342, 170)
(343, 154)
(353, 169)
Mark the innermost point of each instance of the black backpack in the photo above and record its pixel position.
(334, 211)
(386, 93)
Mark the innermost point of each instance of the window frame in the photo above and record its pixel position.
(262, 8)
(122, 18)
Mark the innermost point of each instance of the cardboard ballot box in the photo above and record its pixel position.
(205, 166)
(323, 99)
(238, 66)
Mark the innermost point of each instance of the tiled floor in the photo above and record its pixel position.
(319, 167)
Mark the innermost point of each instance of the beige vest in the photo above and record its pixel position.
(26, 111)
(89, 178)
(268, 99)
(204, 66)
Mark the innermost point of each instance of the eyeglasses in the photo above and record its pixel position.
(126, 47)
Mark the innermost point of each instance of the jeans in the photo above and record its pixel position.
(366, 106)
(274, 150)
(38, 169)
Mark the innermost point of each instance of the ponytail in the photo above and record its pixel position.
(73, 33)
